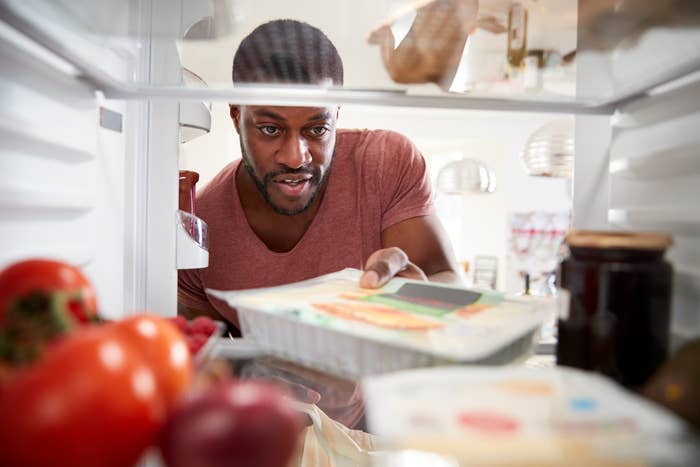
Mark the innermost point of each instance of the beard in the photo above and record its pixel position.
(315, 182)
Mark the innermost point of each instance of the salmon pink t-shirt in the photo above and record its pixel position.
(377, 179)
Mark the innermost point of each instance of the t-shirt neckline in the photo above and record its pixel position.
(240, 215)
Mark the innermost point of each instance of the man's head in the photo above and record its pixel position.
(287, 151)
(287, 51)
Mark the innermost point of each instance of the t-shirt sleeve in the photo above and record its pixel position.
(190, 291)
(404, 182)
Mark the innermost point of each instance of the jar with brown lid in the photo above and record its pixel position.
(618, 317)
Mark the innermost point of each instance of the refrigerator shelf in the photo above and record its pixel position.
(25, 136)
(77, 255)
(677, 221)
(22, 199)
(674, 162)
(95, 40)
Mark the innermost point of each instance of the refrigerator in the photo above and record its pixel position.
(98, 96)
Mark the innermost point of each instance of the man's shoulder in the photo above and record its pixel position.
(367, 136)
(218, 187)
(373, 145)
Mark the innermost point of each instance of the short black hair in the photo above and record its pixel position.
(287, 51)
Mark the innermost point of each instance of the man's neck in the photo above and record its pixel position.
(278, 231)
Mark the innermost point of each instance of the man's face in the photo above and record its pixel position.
(287, 151)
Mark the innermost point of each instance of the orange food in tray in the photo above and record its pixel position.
(378, 315)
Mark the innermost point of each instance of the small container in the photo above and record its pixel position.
(617, 320)
(187, 190)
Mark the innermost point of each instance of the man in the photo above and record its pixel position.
(308, 199)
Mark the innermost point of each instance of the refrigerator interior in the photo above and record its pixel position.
(94, 98)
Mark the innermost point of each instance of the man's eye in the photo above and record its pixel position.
(268, 130)
(319, 130)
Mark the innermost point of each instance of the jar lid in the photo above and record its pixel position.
(624, 240)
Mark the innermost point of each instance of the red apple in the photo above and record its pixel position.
(234, 424)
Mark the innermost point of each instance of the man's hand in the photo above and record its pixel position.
(386, 263)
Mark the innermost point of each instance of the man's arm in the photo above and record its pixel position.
(417, 248)
(191, 313)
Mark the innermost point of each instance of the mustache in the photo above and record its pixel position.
(289, 171)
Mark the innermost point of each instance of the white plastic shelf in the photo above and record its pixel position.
(678, 220)
(13, 198)
(27, 137)
(673, 162)
(77, 255)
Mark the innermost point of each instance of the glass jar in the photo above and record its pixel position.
(617, 320)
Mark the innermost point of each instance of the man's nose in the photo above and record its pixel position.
(295, 152)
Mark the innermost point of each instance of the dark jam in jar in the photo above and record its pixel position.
(618, 317)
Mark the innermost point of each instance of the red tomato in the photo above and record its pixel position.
(92, 401)
(43, 275)
(165, 350)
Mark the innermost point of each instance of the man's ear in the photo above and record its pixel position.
(235, 113)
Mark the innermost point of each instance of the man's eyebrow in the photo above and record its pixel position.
(269, 114)
(321, 116)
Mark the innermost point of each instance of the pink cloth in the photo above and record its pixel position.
(378, 178)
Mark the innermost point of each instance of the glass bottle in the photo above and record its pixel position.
(517, 34)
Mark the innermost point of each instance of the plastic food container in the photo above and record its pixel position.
(332, 325)
(518, 416)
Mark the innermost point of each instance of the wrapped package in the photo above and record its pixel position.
(328, 443)
(424, 42)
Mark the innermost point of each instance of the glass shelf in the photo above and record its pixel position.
(560, 56)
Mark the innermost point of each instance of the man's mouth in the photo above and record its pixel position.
(293, 184)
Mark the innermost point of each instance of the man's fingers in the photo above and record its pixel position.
(369, 280)
(382, 265)
(413, 272)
